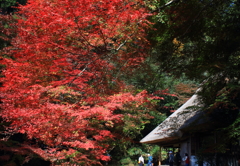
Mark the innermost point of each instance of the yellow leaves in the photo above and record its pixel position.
(75, 133)
(109, 124)
(179, 46)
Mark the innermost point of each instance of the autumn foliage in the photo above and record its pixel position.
(61, 78)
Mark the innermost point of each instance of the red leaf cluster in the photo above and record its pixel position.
(60, 83)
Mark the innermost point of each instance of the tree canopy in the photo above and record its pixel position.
(61, 82)
(75, 73)
(200, 39)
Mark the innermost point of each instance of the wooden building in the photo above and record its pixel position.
(191, 130)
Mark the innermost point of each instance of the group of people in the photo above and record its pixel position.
(177, 158)
(141, 160)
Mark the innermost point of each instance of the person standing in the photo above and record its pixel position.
(186, 159)
(150, 158)
(141, 161)
(178, 158)
(171, 158)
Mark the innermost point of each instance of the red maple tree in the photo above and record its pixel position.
(61, 84)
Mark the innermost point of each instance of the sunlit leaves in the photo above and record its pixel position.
(61, 84)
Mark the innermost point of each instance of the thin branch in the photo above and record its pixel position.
(195, 18)
(121, 45)
(80, 73)
(165, 5)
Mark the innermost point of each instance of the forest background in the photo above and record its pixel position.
(85, 80)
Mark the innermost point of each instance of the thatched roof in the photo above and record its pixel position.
(173, 127)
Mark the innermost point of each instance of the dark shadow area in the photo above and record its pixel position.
(14, 153)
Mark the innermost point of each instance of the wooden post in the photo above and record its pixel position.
(160, 156)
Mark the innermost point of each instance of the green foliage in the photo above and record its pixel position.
(200, 40)
(7, 3)
(126, 161)
(8, 6)
(231, 98)
(154, 151)
(234, 128)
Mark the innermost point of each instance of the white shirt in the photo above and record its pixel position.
(185, 158)
(141, 159)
